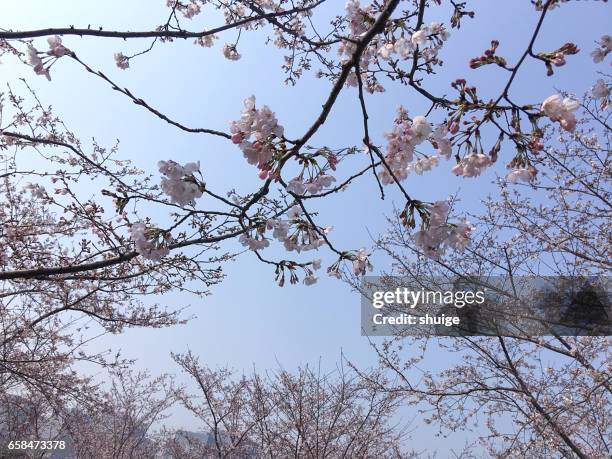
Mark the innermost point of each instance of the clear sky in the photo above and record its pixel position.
(248, 320)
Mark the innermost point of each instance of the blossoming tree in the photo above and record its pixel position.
(306, 413)
(555, 388)
(377, 44)
(65, 254)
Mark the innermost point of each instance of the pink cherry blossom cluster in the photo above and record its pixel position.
(403, 138)
(56, 50)
(428, 39)
(122, 61)
(207, 41)
(309, 269)
(151, 243)
(298, 186)
(297, 27)
(424, 164)
(472, 165)
(400, 149)
(357, 17)
(236, 12)
(425, 33)
(36, 190)
(311, 278)
(230, 52)
(360, 20)
(187, 9)
(441, 142)
(256, 242)
(439, 234)
(361, 263)
(55, 47)
(179, 182)
(601, 91)
(303, 238)
(561, 110)
(604, 48)
(33, 59)
(405, 47)
(524, 174)
(420, 129)
(261, 125)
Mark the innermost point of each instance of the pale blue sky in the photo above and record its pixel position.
(248, 320)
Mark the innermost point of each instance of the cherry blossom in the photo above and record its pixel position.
(254, 243)
(37, 190)
(605, 46)
(262, 125)
(419, 37)
(459, 236)
(230, 52)
(600, 90)
(310, 279)
(33, 56)
(359, 21)
(294, 212)
(357, 17)
(122, 61)
(33, 59)
(438, 234)
(151, 243)
(386, 50)
(304, 238)
(560, 109)
(318, 183)
(403, 47)
(438, 213)
(55, 46)
(361, 262)
(296, 185)
(472, 165)
(192, 10)
(436, 28)
(280, 228)
(421, 129)
(334, 414)
(179, 182)
(561, 228)
(294, 232)
(402, 139)
(441, 143)
(424, 164)
(429, 241)
(74, 248)
(524, 174)
(207, 41)
(400, 149)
